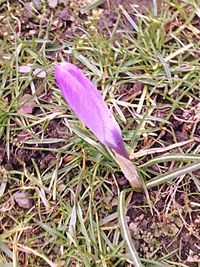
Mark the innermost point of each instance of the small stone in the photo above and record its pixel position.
(28, 104)
(53, 3)
(134, 228)
(39, 73)
(23, 200)
(179, 222)
(24, 69)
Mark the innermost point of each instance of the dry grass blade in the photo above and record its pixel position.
(36, 253)
(150, 151)
(129, 171)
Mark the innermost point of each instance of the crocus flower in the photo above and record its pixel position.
(86, 101)
(88, 104)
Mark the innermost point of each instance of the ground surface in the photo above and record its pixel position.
(59, 187)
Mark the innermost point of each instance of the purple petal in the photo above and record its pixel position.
(86, 101)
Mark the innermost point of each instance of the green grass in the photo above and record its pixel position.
(80, 214)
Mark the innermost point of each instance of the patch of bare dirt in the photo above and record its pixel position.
(176, 231)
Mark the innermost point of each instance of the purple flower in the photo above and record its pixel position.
(85, 100)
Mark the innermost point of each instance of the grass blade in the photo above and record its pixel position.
(126, 234)
(174, 157)
(167, 177)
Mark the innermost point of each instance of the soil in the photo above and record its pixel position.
(166, 232)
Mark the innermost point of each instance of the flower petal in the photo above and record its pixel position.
(86, 101)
